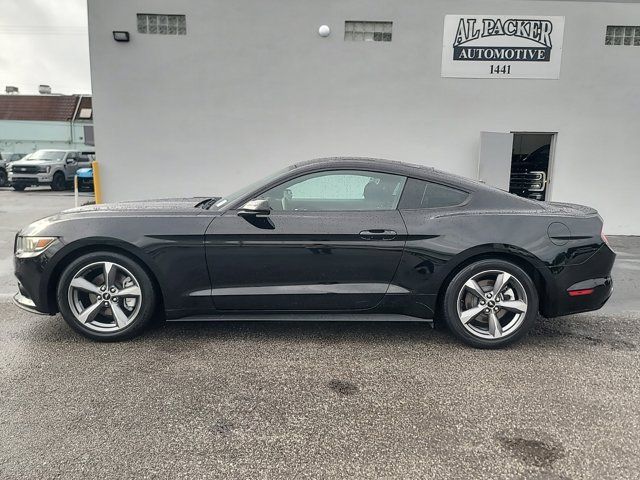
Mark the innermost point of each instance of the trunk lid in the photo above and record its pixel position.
(569, 209)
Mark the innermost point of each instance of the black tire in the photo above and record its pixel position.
(58, 183)
(18, 187)
(144, 315)
(3, 178)
(473, 333)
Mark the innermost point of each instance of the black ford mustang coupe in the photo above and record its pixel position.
(349, 238)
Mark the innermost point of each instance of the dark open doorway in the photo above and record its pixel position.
(530, 160)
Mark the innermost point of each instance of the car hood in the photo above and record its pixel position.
(143, 206)
(33, 163)
(179, 207)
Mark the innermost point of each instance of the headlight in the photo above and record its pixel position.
(44, 169)
(32, 246)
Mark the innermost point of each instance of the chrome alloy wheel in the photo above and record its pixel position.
(104, 296)
(492, 304)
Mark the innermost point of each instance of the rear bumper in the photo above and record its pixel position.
(600, 291)
(590, 284)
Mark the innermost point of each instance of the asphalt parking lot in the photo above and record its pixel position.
(317, 400)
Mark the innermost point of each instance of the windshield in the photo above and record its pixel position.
(47, 155)
(248, 189)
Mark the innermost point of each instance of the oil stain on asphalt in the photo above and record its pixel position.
(222, 428)
(532, 452)
(342, 387)
(546, 329)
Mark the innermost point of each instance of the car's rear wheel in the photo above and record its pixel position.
(491, 303)
(58, 183)
(106, 296)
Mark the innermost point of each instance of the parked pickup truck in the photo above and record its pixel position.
(529, 174)
(48, 167)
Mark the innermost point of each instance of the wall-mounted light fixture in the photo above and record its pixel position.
(120, 36)
(324, 31)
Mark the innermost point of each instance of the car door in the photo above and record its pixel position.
(71, 164)
(331, 241)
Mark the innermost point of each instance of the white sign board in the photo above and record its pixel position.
(502, 46)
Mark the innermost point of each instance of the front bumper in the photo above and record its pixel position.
(29, 178)
(25, 303)
(85, 182)
(33, 275)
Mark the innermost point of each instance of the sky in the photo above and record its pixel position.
(44, 42)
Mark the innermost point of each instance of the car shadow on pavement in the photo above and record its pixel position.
(54, 329)
(574, 330)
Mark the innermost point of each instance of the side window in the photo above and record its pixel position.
(421, 194)
(337, 190)
(72, 156)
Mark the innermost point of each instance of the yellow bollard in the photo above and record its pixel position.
(96, 182)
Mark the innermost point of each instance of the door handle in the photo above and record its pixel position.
(378, 234)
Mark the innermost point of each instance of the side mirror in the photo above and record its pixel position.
(70, 161)
(255, 207)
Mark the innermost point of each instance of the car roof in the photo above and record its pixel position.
(483, 194)
(52, 150)
(391, 166)
(365, 161)
(65, 150)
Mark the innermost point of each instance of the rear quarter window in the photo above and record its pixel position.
(422, 194)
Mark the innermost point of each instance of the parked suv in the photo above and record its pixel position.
(5, 159)
(48, 167)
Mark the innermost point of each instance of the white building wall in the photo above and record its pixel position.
(26, 136)
(252, 87)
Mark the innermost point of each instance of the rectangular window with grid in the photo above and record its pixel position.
(623, 35)
(367, 31)
(159, 24)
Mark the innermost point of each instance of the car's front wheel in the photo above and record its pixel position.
(106, 296)
(58, 183)
(491, 303)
